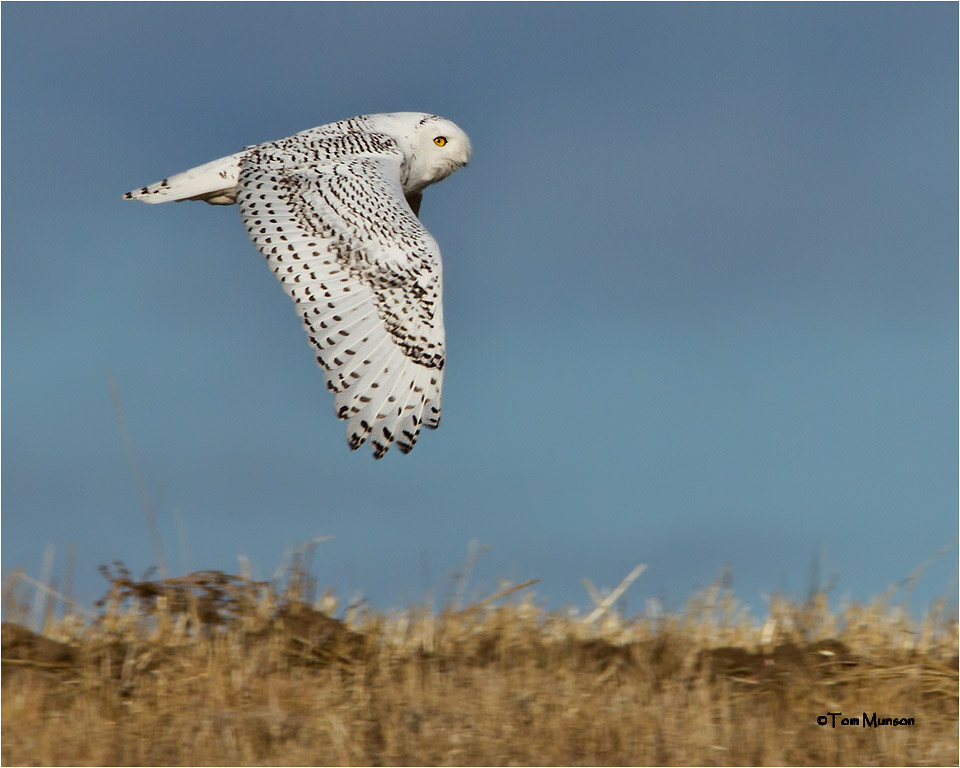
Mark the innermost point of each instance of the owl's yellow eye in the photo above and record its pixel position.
(440, 141)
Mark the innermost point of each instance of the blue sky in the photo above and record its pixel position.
(700, 296)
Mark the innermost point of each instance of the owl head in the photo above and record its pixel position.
(433, 146)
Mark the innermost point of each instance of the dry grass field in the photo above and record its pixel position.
(214, 669)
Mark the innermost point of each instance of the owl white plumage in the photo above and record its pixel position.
(334, 210)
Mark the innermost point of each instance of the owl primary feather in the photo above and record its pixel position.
(334, 210)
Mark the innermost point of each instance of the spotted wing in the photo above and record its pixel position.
(365, 275)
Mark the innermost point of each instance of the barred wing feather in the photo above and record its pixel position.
(366, 278)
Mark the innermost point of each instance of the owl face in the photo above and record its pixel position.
(434, 147)
(443, 144)
(439, 148)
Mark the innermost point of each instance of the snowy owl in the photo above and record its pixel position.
(334, 210)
